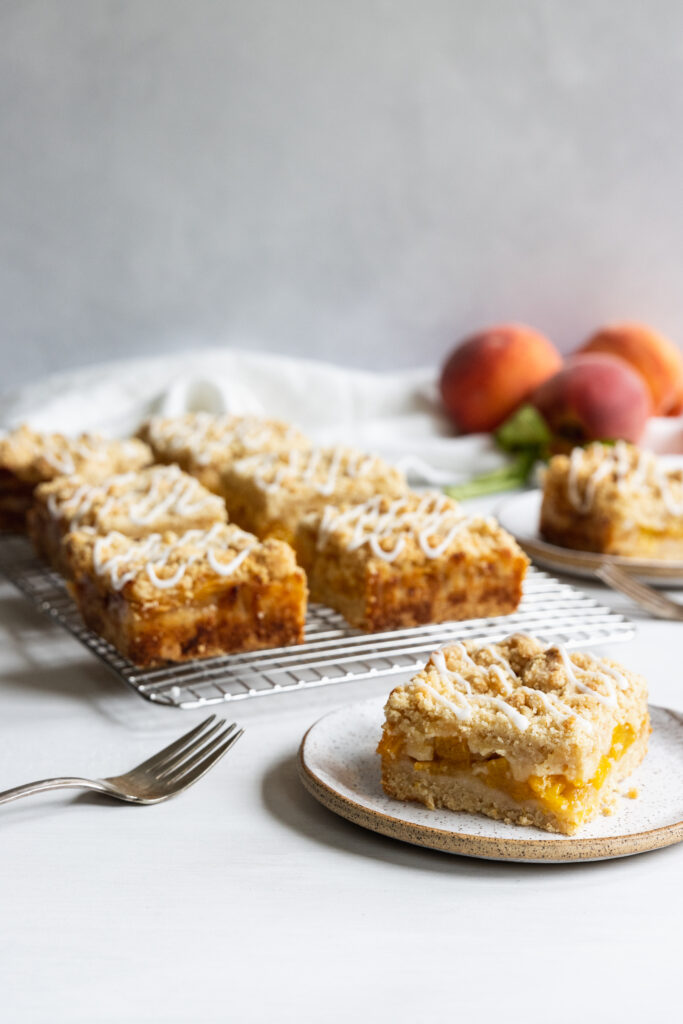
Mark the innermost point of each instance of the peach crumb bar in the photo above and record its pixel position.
(153, 500)
(202, 443)
(525, 733)
(390, 563)
(172, 597)
(614, 499)
(29, 458)
(270, 494)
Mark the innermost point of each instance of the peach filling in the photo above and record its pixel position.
(556, 793)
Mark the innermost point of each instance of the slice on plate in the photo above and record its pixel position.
(613, 499)
(518, 731)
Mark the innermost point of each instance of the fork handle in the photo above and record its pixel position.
(45, 784)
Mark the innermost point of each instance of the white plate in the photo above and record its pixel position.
(339, 766)
(520, 516)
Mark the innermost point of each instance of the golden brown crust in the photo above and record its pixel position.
(248, 616)
(171, 598)
(394, 563)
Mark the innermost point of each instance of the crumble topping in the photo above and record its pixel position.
(594, 476)
(332, 471)
(35, 457)
(409, 528)
(151, 496)
(177, 563)
(203, 438)
(546, 710)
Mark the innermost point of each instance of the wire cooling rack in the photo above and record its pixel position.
(333, 652)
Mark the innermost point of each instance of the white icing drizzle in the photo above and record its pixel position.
(165, 582)
(492, 649)
(432, 515)
(438, 549)
(64, 463)
(227, 568)
(387, 556)
(140, 497)
(208, 437)
(582, 503)
(502, 678)
(462, 651)
(516, 717)
(624, 463)
(463, 712)
(153, 553)
(438, 659)
(510, 682)
(573, 671)
(321, 469)
(555, 706)
(358, 463)
(60, 453)
(186, 498)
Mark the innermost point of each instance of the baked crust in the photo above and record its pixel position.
(613, 499)
(200, 594)
(29, 458)
(516, 730)
(155, 500)
(202, 443)
(270, 494)
(387, 564)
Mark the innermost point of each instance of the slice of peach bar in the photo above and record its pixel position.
(518, 731)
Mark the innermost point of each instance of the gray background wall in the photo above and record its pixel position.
(359, 180)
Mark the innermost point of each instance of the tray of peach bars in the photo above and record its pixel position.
(216, 558)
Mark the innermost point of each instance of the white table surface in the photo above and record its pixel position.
(244, 900)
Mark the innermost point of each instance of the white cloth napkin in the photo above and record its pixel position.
(397, 415)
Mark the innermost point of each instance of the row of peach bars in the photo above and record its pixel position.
(206, 535)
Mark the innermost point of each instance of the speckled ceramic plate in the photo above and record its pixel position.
(520, 516)
(339, 766)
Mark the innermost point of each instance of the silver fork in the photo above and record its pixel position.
(651, 600)
(172, 770)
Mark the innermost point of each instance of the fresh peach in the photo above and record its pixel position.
(596, 397)
(676, 409)
(491, 373)
(655, 358)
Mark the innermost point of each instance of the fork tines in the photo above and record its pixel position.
(199, 748)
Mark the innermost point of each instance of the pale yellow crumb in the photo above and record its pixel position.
(633, 794)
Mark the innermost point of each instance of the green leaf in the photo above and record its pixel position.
(525, 429)
(507, 478)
